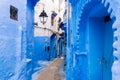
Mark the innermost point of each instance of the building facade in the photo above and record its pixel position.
(16, 39)
(93, 40)
(17, 42)
(48, 35)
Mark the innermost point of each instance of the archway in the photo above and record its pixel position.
(97, 37)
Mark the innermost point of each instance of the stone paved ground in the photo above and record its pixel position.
(53, 71)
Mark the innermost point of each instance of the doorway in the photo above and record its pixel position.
(99, 34)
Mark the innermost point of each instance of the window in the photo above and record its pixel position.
(13, 13)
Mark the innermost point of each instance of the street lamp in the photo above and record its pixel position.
(43, 17)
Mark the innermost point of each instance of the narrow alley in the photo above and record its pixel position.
(59, 39)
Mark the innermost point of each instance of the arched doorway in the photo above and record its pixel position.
(97, 35)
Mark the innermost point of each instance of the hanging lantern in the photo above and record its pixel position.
(43, 17)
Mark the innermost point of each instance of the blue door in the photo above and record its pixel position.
(100, 40)
(108, 50)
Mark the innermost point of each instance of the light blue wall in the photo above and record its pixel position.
(10, 40)
(16, 40)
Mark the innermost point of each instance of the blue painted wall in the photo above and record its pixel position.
(29, 39)
(84, 40)
(16, 40)
(10, 40)
(39, 49)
